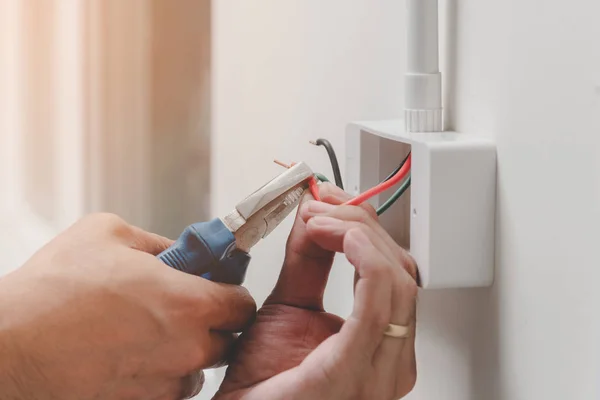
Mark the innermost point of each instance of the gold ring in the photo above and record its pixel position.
(396, 331)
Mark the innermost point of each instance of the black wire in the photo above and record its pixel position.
(394, 172)
(333, 159)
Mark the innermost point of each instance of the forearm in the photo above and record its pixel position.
(10, 383)
(11, 380)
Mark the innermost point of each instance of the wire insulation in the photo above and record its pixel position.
(312, 181)
(321, 177)
(394, 197)
(374, 191)
(314, 188)
(337, 175)
(394, 172)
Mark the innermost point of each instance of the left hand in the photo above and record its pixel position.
(295, 350)
(95, 315)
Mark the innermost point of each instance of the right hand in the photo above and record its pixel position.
(296, 350)
(94, 315)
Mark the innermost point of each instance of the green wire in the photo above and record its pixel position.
(321, 177)
(393, 198)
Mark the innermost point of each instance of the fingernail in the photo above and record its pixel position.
(318, 207)
(327, 222)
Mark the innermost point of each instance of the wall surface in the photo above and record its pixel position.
(104, 106)
(522, 71)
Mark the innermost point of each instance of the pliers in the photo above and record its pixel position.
(217, 250)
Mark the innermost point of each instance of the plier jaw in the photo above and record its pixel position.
(255, 217)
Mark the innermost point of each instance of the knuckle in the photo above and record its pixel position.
(353, 213)
(111, 224)
(361, 215)
(379, 324)
(230, 302)
(209, 299)
(376, 324)
(244, 301)
(381, 271)
(103, 219)
(370, 210)
(361, 228)
(410, 288)
(194, 356)
(365, 229)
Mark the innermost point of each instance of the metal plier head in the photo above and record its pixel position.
(261, 212)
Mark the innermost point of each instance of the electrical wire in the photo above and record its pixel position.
(398, 193)
(337, 175)
(394, 172)
(321, 177)
(314, 188)
(312, 182)
(402, 172)
(394, 197)
(374, 191)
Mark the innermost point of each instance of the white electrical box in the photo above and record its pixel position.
(446, 219)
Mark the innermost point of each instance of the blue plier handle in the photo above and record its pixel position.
(217, 250)
(208, 249)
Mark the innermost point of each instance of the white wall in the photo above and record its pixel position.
(287, 72)
(526, 72)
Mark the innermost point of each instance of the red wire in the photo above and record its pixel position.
(314, 188)
(312, 182)
(374, 191)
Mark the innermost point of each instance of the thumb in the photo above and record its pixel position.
(306, 267)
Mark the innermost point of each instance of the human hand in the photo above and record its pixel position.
(94, 315)
(295, 350)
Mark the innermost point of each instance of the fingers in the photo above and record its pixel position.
(307, 265)
(363, 331)
(385, 292)
(231, 307)
(332, 194)
(296, 242)
(395, 359)
(329, 232)
(216, 306)
(218, 350)
(362, 215)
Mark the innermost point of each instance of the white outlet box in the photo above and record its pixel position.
(447, 217)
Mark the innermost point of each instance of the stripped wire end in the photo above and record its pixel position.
(313, 142)
(284, 165)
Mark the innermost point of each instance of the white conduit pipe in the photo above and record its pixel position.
(423, 81)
